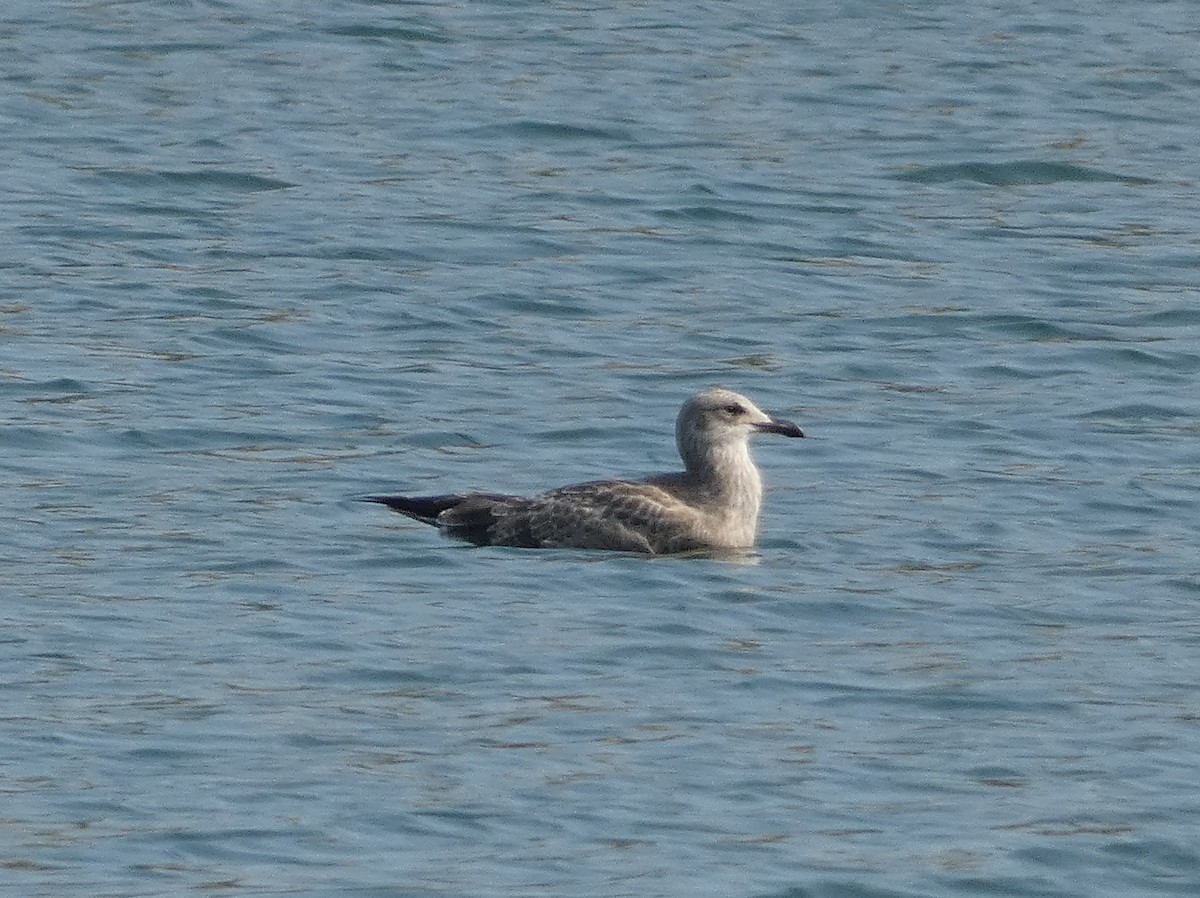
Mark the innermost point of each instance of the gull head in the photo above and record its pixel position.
(716, 420)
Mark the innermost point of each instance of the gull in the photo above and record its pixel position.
(713, 503)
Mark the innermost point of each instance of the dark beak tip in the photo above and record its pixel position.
(783, 428)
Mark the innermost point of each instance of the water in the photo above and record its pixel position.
(257, 261)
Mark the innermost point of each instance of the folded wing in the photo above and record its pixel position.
(630, 517)
(621, 515)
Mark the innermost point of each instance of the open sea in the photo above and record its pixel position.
(260, 259)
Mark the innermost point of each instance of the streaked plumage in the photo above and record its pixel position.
(712, 504)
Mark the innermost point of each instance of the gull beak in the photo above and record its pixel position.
(779, 426)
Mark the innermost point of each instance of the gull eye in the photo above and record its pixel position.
(733, 409)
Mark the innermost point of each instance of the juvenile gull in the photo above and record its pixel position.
(712, 504)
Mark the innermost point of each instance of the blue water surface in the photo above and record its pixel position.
(260, 259)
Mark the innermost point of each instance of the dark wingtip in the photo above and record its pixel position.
(396, 503)
(421, 508)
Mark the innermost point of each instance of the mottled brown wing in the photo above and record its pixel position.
(631, 517)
